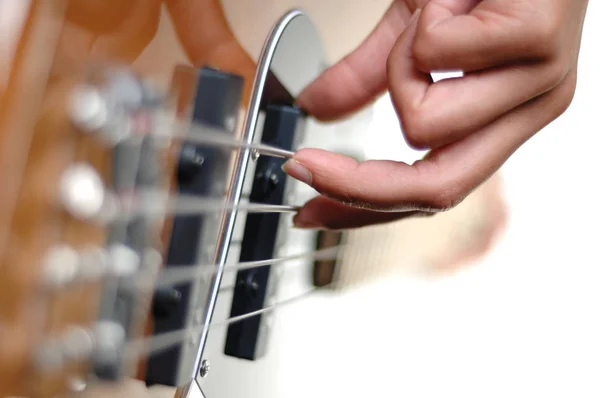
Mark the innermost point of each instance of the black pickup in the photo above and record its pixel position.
(214, 102)
(282, 123)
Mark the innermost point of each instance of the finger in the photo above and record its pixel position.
(493, 33)
(325, 213)
(434, 115)
(207, 38)
(74, 46)
(445, 177)
(134, 33)
(99, 16)
(360, 77)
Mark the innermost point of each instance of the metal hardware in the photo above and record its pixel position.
(241, 165)
(82, 191)
(205, 368)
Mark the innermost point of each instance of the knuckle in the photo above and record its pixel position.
(565, 96)
(556, 71)
(546, 36)
(416, 129)
(424, 50)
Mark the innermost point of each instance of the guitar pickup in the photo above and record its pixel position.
(212, 98)
(246, 339)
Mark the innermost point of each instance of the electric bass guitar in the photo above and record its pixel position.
(145, 221)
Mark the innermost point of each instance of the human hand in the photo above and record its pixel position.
(121, 30)
(208, 40)
(519, 60)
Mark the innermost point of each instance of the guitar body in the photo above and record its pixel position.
(171, 60)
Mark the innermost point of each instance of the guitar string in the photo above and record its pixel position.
(155, 344)
(200, 133)
(203, 134)
(189, 205)
(159, 204)
(185, 205)
(173, 275)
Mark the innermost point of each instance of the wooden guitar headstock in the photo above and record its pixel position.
(58, 259)
(75, 139)
(77, 144)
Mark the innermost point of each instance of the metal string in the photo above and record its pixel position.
(152, 345)
(204, 134)
(161, 204)
(172, 275)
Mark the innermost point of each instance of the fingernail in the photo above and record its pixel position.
(306, 225)
(297, 171)
(301, 223)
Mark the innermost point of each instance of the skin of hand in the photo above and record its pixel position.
(205, 34)
(519, 59)
(122, 29)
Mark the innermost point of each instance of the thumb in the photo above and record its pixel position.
(361, 76)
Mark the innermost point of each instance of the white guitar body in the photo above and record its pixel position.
(320, 336)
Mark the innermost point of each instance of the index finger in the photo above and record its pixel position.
(361, 76)
(441, 180)
(99, 16)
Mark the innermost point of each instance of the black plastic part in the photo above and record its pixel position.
(217, 97)
(165, 302)
(260, 234)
